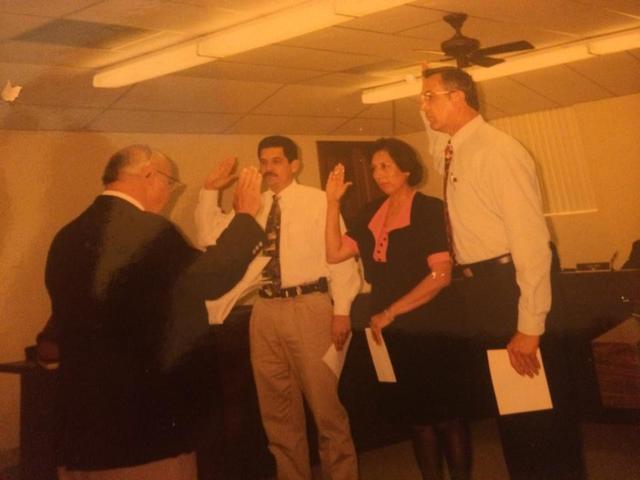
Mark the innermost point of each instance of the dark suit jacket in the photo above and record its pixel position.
(127, 294)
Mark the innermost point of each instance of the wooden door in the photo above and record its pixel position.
(355, 158)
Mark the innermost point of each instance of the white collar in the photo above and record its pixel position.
(124, 196)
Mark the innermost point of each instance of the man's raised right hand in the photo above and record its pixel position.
(247, 198)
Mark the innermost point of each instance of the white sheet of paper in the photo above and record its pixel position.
(381, 360)
(335, 359)
(517, 393)
(219, 308)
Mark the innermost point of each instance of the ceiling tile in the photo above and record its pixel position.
(188, 94)
(315, 101)
(303, 58)
(343, 80)
(57, 86)
(27, 117)
(13, 25)
(246, 72)
(562, 85)
(512, 97)
(615, 72)
(378, 110)
(396, 19)
(631, 7)
(359, 41)
(195, 17)
(291, 125)
(560, 16)
(365, 126)
(49, 8)
(161, 122)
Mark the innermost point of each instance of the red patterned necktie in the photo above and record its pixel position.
(448, 156)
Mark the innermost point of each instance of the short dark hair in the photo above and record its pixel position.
(288, 146)
(122, 159)
(457, 79)
(404, 156)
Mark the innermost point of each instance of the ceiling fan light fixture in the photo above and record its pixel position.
(526, 62)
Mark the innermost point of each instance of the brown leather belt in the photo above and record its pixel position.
(485, 267)
(269, 291)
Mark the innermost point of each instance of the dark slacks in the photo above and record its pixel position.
(542, 445)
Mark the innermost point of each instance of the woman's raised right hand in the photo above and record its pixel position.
(336, 186)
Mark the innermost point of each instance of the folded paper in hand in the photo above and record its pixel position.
(219, 308)
(517, 393)
(334, 358)
(381, 359)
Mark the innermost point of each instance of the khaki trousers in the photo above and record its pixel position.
(182, 467)
(289, 337)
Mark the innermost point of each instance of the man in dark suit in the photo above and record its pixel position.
(127, 293)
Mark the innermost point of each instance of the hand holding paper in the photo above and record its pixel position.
(381, 359)
(516, 393)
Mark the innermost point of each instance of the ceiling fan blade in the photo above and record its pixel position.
(432, 52)
(506, 48)
(484, 61)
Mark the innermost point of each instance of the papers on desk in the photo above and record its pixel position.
(381, 360)
(517, 393)
(219, 308)
(335, 359)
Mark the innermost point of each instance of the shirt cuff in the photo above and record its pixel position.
(206, 195)
(341, 307)
(531, 324)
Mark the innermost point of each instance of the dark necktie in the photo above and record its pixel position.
(272, 248)
(448, 156)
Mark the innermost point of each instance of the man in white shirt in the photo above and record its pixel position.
(500, 240)
(294, 321)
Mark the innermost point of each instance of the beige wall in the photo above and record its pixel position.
(46, 178)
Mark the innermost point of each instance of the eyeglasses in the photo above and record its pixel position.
(173, 182)
(426, 97)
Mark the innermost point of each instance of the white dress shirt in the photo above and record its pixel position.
(302, 239)
(495, 207)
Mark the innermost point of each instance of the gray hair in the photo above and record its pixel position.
(130, 159)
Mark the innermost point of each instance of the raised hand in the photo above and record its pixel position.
(246, 198)
(336, 186)
(222, 175)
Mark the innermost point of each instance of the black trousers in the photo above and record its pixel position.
(544, 445)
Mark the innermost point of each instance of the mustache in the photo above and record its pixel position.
(269, 174)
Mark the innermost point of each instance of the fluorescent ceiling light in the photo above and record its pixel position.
(155, 64)
(519, 63)
(275, 27)
(616, 42)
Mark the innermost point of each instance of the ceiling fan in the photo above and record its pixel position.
(466, 51)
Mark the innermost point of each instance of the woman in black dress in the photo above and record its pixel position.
(402, 241)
